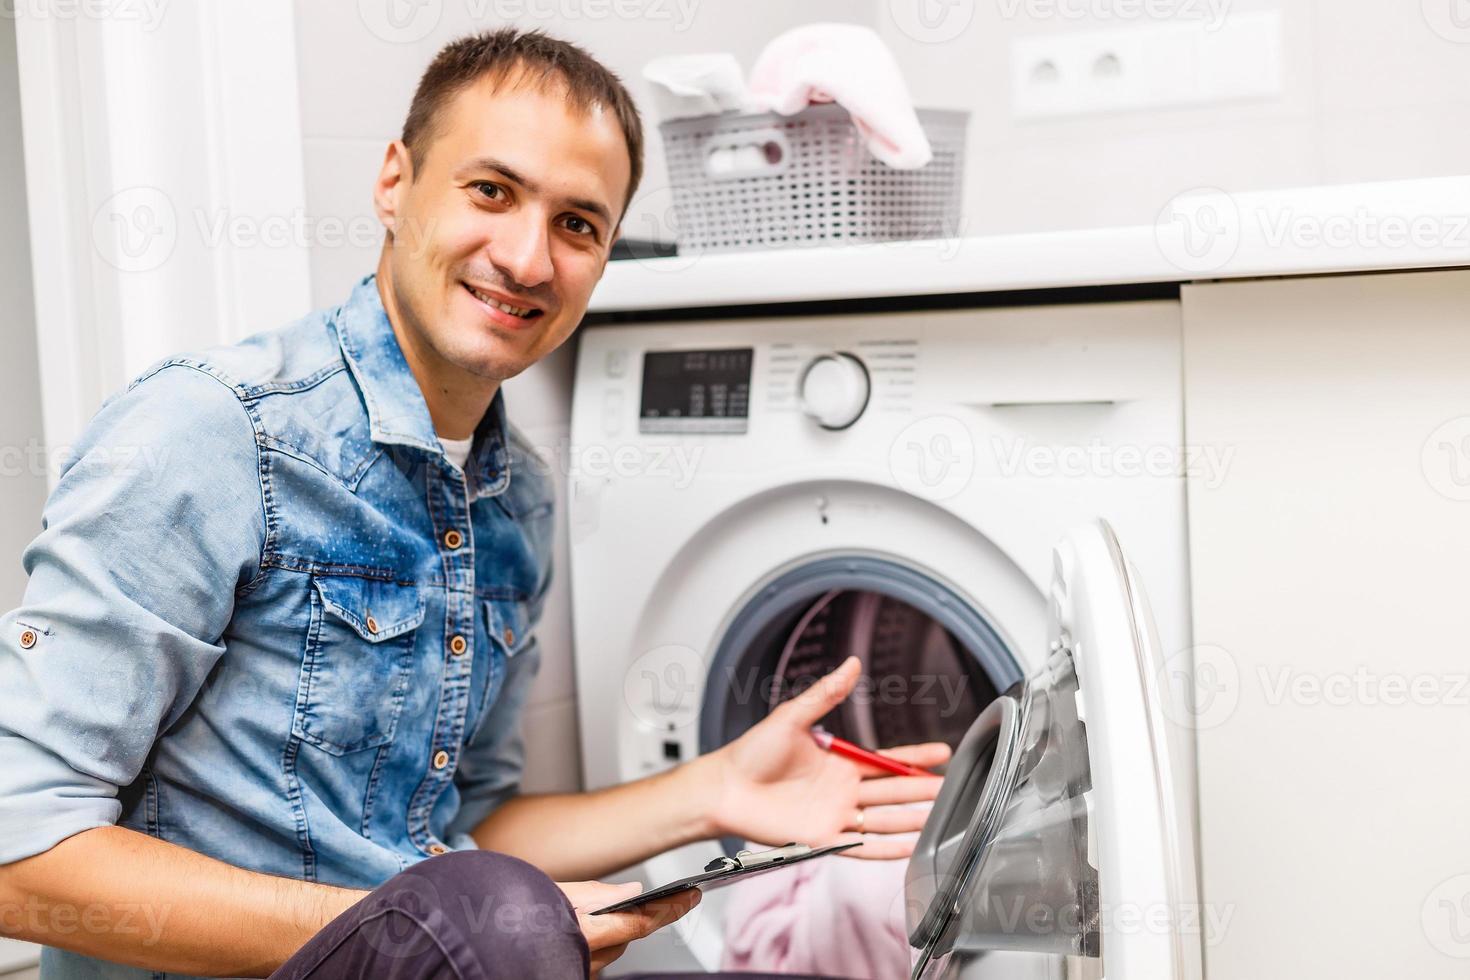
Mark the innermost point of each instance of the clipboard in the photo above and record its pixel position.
(724, 871)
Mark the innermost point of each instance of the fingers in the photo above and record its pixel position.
(603, 958)
(621, 928)
(926, 755)
(808, 707)
(898, 789)
(891, 819)
(879, 847)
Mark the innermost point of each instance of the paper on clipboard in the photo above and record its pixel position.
(724, 871)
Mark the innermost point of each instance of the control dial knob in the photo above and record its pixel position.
(834, 389)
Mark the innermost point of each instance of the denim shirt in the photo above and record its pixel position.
(269, 620)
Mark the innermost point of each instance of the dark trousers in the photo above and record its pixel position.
(468, 915)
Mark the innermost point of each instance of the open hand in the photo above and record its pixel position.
(775, 785)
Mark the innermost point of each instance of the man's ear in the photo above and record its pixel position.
(394, 179)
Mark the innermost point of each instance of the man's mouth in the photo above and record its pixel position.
(523, 313)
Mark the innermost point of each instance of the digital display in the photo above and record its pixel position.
(696, 391)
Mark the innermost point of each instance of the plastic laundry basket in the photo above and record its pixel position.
(772, 181)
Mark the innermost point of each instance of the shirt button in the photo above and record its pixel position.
(457, 645)
(441, 759)
(509, 636)
(453, 539)
(438, 849)
(27, 639)
(372, 625)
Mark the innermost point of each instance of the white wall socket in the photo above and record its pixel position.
(1149, 66)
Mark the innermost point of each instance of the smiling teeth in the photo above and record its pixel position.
(503, 307)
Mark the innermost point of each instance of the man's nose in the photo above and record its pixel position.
(522, 249)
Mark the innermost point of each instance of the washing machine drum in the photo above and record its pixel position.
(1066, 802)
(918, 685)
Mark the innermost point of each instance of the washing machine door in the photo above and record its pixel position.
(1064, 825)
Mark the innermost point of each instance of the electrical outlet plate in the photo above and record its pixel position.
(1157, 65)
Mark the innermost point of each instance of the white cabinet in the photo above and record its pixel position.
(1331, 582)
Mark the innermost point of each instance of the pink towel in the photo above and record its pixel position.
(849, 65)
(833, 916)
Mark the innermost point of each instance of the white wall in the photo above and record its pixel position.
(22, 478)
(1370, 91)
(22, 464)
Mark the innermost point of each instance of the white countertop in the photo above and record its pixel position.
(1410, 224)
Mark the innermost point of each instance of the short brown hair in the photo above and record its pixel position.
(497, 54)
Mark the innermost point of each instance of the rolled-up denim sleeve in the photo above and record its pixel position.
(155, 523)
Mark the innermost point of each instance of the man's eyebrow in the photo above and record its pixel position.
(516, 177)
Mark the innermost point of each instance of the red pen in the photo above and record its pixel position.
(857, 753)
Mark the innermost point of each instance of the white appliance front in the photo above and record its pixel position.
(982, 437)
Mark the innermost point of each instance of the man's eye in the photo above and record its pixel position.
(492, 192)
(579, 226)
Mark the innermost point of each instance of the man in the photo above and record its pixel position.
(285, 666)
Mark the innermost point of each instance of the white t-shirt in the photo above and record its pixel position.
(458, 450)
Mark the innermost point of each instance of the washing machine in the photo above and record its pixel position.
(939, 492)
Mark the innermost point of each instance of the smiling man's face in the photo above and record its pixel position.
(501, 234)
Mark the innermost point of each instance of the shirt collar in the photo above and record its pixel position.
(397, 414)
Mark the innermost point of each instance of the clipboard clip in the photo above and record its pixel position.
(744, 860)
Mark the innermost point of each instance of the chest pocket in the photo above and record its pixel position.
(358, 662)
